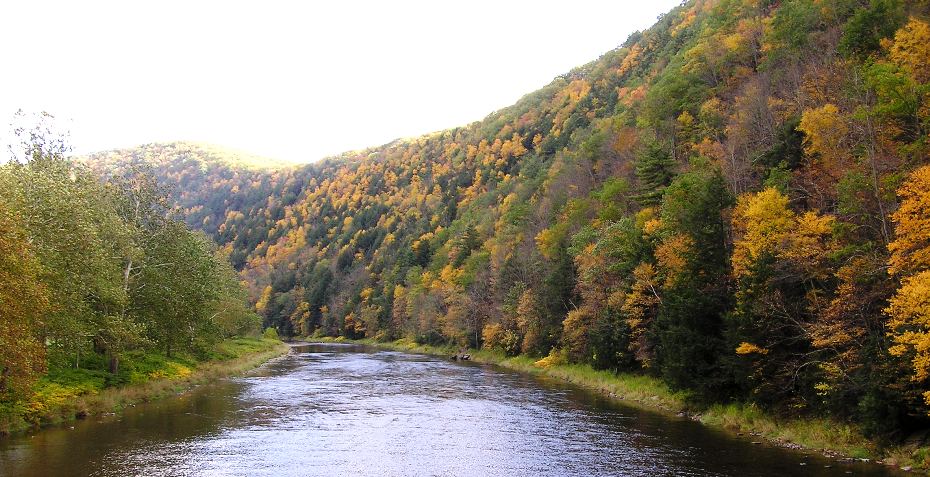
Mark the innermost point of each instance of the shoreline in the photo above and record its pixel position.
(68, 406)
(832, 439)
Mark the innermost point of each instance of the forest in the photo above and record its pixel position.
(97, 279)
(735, 201)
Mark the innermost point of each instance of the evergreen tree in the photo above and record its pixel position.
(655, 169)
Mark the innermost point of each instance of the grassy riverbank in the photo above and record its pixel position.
(823, 435)
(65, 394)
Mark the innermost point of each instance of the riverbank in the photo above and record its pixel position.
(67, 394)
(831, 438)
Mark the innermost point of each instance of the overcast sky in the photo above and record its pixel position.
(291, 80)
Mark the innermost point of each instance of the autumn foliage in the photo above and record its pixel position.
(717, 202)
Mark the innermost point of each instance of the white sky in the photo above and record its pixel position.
(292, 80)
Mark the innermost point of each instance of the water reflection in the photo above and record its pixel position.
(345, 410)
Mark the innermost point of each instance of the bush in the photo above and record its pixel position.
(496, 336)
(271, 333)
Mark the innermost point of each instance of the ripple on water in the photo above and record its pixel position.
(344, 410)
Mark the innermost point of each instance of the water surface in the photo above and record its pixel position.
(333, 409)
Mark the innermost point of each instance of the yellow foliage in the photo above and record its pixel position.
(909, 312)
(824, 129)
(910, 49)
(766, 226)
(450, 274)
(547, 241)
(749, 348)
(490, 335)
(639, 307)
(685, 120)
(262, 303)
(365, 294)
(806, 246)
(672, 257)
(645, 215)
(171, 371)
(909, 309)
(652, 226)
(910, 251)
(764, 220)
(554, 358)
(575, 332)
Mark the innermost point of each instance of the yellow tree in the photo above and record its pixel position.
(909, 308)
(640, 306)
(826, 132)
(23, 301)
(911, 49)
(779, 260)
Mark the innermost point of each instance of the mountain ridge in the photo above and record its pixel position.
(712, 203)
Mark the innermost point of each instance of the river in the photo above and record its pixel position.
(336, 409)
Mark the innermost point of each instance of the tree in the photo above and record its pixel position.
(779, 262)
(23, 302)
(864, 32)
(909, 309)
(70, 220)
(910, 49)
(655, 169)
(177, 288)
(688, 330)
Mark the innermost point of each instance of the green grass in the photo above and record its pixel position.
(65, 394)
(824, 435)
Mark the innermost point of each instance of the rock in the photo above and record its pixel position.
(906, 468)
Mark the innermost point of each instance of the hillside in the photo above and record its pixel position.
(735, 201)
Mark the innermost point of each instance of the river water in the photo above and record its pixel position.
(335, 409)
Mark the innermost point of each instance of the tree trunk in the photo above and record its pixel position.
(114, 363)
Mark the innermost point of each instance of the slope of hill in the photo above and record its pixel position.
(714, 203)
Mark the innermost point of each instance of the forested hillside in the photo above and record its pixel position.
(736, 200)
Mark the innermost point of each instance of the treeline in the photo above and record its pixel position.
(736, 200)
(92, 268)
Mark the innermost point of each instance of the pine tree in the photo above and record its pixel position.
(655, 169)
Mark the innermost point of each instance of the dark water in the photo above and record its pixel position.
(347, 410)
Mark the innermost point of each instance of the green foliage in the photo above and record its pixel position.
(689, 328)
(655, 169)
(792, 26)
(863, 32)
(94, 273)
(270, 333)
